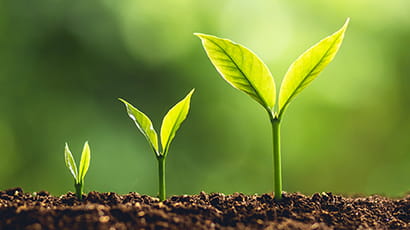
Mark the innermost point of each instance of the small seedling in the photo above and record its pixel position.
(242, 69)
(170, 124)
(84, 164)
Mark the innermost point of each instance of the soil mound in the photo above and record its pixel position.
(110, 211)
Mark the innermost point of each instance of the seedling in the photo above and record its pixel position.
(84, 164)
(242, 69)
(170, 124)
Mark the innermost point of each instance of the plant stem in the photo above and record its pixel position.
(161, 174)
(79, 190)
(277, 165)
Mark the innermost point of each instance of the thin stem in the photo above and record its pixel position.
(79, 187)
(277, 165)
(161, 175)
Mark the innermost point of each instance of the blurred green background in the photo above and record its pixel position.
(63, 64)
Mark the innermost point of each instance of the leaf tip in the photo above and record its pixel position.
(347, 21)
(87, 148)
(189, 95)
(127, 105)
(66, 149)
(122, 100)
(345, 25)
(342, 30)
(192, 91)
(205, 37)
(200, 35)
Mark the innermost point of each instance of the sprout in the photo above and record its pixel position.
(84, 164)
(242, 69)
(170, 124)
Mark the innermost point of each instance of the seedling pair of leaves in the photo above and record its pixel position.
(170, 125)
(84, 165)
(243, 70)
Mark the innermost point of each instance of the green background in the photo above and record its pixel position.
(63, 64)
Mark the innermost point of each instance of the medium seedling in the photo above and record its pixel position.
(170, 124)
(84, 164)
(242, 69)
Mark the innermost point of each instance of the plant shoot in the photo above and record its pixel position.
(243, 70)
(170, 124)
(84, 164)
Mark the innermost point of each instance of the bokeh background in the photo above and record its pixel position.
(63, 64)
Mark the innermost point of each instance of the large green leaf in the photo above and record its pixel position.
(144, 124)
(241, 68)
(173, 120)
(84, 162)
(69, 162)
(308, 65)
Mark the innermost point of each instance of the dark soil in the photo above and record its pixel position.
(19, 210)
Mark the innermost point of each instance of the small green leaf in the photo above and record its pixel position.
(173, 120)
(144, 124)
(69, 162)
(308, 65)
(241, 68)
(84, 163)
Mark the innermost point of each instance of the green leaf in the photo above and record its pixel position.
(144, 124)
(69, 161)
(84, 163)
(241, 68)
(173, 120)
(308, 65)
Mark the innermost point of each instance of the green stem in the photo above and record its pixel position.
(277, 165)
(79, 190)
(161, 174)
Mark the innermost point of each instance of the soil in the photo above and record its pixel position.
(110, 211)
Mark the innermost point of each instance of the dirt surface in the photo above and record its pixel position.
(19, 210)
